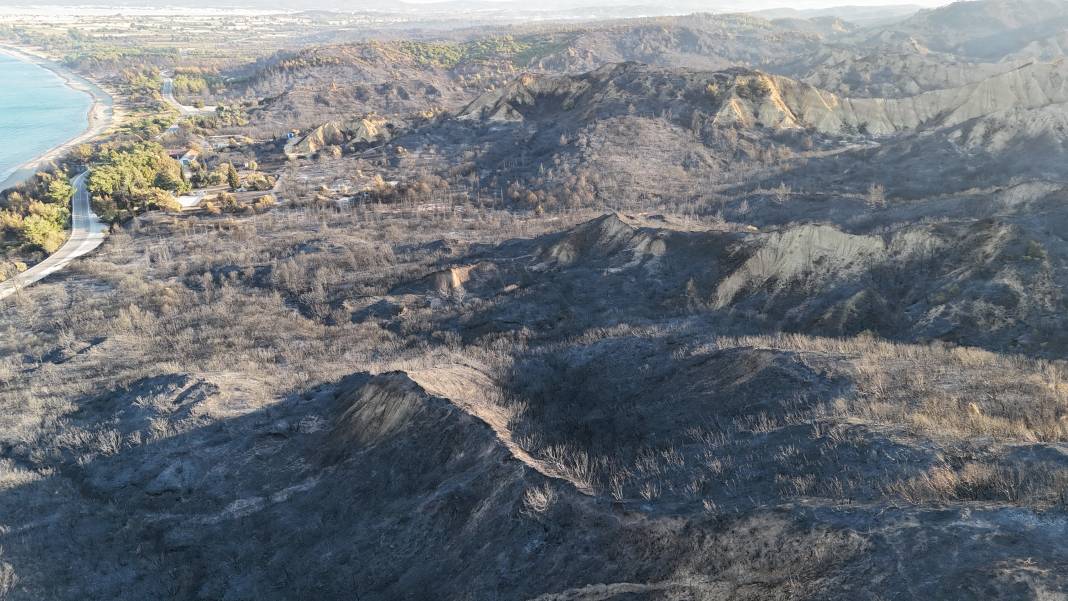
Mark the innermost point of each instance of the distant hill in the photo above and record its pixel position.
(675, 132)
(517, 10)
(314, 85)
(859, 15)
(986, 29)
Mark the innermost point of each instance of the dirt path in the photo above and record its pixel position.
(474, 392)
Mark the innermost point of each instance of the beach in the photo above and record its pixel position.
(100, 116)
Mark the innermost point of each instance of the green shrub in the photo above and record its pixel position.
(60, 191)
(43, 233)
(134, 177)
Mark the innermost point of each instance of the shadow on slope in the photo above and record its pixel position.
(989, 283)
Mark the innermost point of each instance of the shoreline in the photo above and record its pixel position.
(100, 116)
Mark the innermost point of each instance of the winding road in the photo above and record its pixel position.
(167, 93)
(86, 233)
(87, 230)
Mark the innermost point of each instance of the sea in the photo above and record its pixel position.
(37, 113)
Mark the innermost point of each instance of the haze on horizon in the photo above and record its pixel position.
(433, 6)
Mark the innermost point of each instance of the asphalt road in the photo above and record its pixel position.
(167, 92)
(87, 232)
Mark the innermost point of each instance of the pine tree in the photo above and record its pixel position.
(232, 178)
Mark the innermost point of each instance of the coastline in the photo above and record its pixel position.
(100, 116)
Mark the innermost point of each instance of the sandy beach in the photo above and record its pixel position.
(101, 113)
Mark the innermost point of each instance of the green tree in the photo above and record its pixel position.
(43, 233)
(56, 214)
(106, 209)
(60, 191)
(171, 180)
(83, 152)
(162, 200)
(232, 178)
(16, 201)
(10, 222)
(131, 177)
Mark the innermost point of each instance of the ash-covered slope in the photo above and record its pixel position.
(990, 283)
(337, 83)
(322, 83)
(627, 133)
(698, 41)
(749, 98)
(605, 411)
(890, 71)
(401, 78)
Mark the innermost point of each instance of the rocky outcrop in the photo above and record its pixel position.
(507, 103)
(786, 103)
(896, 72)
(325, 135)
(809, 252)
(367, 130)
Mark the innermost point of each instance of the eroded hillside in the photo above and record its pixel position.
(340, 386)
(631, 136)
(700, 307)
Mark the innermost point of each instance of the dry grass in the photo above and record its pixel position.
(938, 390)
(268, 302)
(265, 300)
(1041, 486)
(929, 403)
(539, 499)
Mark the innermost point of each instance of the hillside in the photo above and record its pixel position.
(700, 41)
(311, 87)
(751, 98)
(718, 307)
(986, 30)
(859, 15)
(629, 135)
(534, 387)
(893, 71)
(400, 78)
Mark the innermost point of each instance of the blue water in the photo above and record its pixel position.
(37, 112)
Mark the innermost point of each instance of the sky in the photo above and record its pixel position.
(696, 5)
(807, 4)
(503, 9)
(798, 4)
(712, 5)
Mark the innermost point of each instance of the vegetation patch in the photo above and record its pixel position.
(132, 178)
